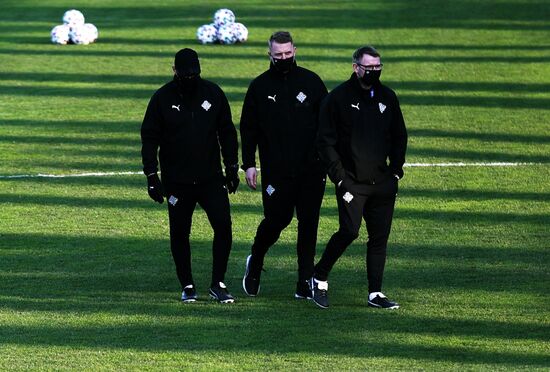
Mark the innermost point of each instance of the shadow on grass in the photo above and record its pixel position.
(112, 203)
(464, 194)
(342, 340)
(158, 80)
(214, 54)
(106, 142)
(125, 276)
(407, 99)
(301, 45)
(474, 155)
(288, 15)
(486, 136)
(76, 126)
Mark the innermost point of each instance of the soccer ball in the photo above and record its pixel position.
(91, 32)
(223, 17)
(240, 32)
(60, 34)
(207, 34)
(80, 35)
(226, 35)
(73, 17)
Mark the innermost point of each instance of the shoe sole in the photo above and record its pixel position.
(189, 300)
(244, 278)
(320, 305)
(394, 307)
(299, 297)
(312, 285)
(228, 301)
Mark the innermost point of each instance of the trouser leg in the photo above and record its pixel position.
(180, 217)
(349, 215)
(308, 205)
(278, 212)
(378, 214)
(215, 202)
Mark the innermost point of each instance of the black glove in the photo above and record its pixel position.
(154, 188)
(232, 178)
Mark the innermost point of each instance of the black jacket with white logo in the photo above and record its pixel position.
(189, 133)
(280, 117)
(359, 131)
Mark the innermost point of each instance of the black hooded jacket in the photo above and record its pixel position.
(280, 117)
(189, 131)
(359, 131)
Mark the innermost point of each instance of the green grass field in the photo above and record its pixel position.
(86, 277)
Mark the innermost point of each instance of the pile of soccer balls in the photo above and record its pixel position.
(223, 30)
(74, 30)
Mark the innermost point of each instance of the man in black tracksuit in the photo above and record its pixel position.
(189, 119)
(361, 128)
(280, 117)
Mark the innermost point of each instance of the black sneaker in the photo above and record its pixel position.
(303, 291)
(319, 290)
(378, 299)
(221, 294)
(251, 285)
(189, 294)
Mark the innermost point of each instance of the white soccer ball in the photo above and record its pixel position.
(223, 17)
(240, 32)
(73, 17)
(91, 32)
(60, 34)
(207, 34)
(226, 35)
(79, 35)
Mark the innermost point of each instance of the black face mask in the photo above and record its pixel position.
(283, 65)
(186, 86)
(370, 78)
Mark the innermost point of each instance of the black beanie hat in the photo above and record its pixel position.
(187, 62)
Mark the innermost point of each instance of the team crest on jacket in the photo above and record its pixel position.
(301, 97)
(382, 107)
(206, 105)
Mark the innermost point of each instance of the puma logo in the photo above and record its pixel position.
(355, 106)
(176, 107)
(272, 97)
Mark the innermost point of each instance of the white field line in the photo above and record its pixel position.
(411, 165)
(496, 164)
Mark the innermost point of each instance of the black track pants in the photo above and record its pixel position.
(280, 199)
(213, 199)
(374, 204)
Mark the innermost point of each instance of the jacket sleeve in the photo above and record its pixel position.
(249, 130)
(151, 133)
(227, 134)
(398, 141)
(327, 140)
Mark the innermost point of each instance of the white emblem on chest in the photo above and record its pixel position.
(206, 105)
(272, 97)
(382, 107)
(176, 107)
(355, 106)
(301, 97)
